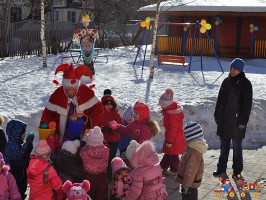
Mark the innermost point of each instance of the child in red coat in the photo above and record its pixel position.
(142, 128)
(174, 142)
(111, 137)
(42, 177)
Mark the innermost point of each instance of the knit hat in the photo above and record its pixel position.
(108, 98)
(131, 149)
(95, 137)
(43, 150)
(117, 163)
(166, 98)
(193, 131)
(238, 64)
(76, 190)
(71, 75)
(143, 110)
(71, 146)
(15, 129)
(128, 114)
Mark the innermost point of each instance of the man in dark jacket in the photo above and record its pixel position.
(231, 116)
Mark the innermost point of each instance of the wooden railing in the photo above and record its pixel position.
(173, 45)
(260, 48)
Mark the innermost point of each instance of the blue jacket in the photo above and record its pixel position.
(124, 140)
(17, 152)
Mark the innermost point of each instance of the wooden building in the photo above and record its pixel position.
(238, 27)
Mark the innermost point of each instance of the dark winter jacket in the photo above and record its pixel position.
(233, 106)
(2, 141)
(17, 152)
(70, 165)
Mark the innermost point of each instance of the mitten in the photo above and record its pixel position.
(241, 127)
(184, 190)
(30, 138)
(168, 144)
(114, 125)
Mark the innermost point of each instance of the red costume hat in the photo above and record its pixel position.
(71, 75)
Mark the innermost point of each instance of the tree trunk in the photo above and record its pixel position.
(3, 40)
(154, 40)
(43, 34)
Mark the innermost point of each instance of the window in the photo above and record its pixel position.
(71, 16)
(56, 16)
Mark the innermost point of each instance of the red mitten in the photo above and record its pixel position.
(114, 125)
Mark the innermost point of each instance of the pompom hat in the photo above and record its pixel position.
(71, 75)
(166, 98)
(95, 137)
(117, 163)
(108, 98)
(143, 110)
(193, 131)
(42, 150)
(131, 149)
(71, 146)
(238, 64)
(128, 114)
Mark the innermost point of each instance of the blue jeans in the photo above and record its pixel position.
(237, 155)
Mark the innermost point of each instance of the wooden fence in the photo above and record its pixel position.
(24, 37)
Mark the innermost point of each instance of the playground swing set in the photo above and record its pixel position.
(180, 60)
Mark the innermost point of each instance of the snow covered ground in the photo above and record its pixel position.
(26, 87)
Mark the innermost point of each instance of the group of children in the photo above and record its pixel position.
(136, 173)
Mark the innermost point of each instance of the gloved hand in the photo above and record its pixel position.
(241, 127)
(30, 138)
(106, 129)
(184, 190)
(168, 144)
(114, 125)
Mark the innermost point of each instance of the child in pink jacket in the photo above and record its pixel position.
(42, 176)
(174, 142)
(8, 185)
(147, 175)
(95, 160)
(142, 128)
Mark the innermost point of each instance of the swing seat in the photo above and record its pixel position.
(172, 60)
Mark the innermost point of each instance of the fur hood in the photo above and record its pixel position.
(199, 145)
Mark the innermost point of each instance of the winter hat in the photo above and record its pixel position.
(128, 114)
(166, 98)
(71, 75)
(15, 128)
(71, 146)
(76, 190)
(238, 64)
(95, 137)
(145, 155)
(108, 98)
(131, 149)
(143, 110)
(117, 163)
(193, 131)
(43, 150)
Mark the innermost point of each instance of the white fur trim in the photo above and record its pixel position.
(88, 104)
(67, 82)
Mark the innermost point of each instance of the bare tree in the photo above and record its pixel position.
(3, 39)
(42, 32)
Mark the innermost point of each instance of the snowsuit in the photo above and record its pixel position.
(191, 168)
(38, 189)
(110, 136)
(95, 161)
(174, 135)
(69, 166)
(139, 130)
(8, 189)
(17, 154)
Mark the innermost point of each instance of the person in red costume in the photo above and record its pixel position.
(70, 98)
